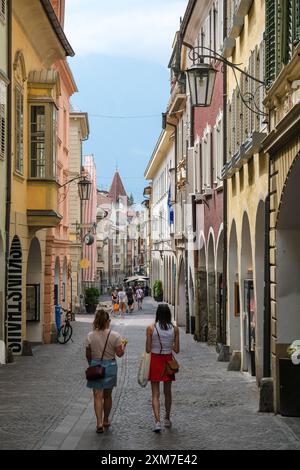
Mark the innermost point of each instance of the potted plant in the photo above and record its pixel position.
(91, 299)
(158, 291)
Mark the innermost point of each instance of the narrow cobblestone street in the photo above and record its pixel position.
(44, 403)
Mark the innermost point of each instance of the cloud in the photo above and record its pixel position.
(124, 28)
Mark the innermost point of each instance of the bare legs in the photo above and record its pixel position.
(168, 398)
(98, 406)
(107, 406)
(156, 399)
(102, 406)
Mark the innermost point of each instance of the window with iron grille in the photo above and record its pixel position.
(19, 131)
(2, 119)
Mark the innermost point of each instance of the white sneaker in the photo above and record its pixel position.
(157, 427)
(167, 423)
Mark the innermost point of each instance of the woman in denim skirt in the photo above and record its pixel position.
(103, 339)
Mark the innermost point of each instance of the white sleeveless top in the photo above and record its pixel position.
(166, 339)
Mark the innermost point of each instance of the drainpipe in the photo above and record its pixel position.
(9, 160)
(223, 332)
(267, 299)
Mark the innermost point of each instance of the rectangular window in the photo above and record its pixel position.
(296, 21)
(2, 119)
(43, 141)
(38, 142)
(33, 302)
(3, 10)
(19, 143)
(206, 159)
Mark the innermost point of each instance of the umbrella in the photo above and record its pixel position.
(136, 279)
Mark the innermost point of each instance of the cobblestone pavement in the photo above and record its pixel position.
(44, 403)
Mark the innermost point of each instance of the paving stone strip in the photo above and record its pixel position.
(44, 402)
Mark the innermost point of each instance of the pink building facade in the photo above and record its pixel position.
(58, 259)
(89, 218)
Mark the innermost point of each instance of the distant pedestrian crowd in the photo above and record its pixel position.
(127, 299)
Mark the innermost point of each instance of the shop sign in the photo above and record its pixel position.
(14, 297)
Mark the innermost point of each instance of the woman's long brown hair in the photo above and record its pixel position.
(164, 317)
(101, 319)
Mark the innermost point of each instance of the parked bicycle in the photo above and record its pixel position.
(66, 330)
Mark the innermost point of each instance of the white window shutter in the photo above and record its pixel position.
(209, 168)
(220, 24)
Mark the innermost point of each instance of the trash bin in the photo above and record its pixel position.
(57, 316)
(289, 379)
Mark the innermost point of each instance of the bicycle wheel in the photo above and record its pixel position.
(65, 334)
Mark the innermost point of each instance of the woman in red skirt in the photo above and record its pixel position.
(162, 340)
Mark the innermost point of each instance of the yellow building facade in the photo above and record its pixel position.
(37, 43)
(247, 175)
(283, 147)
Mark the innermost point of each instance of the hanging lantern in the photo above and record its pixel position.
(84, 189)
(201, 78)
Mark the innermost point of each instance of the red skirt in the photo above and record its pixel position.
(157, 368)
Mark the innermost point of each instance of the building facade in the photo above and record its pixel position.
(246, 172)
(163, 261)
(119, 236)
(89, 222)
(283, 148)
(202, 29)
(58, 265)
(79, 131)
(38, 42)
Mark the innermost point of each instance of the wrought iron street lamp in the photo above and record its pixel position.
(84, 188)
(201, 78)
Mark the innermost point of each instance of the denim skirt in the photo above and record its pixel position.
(110, 379)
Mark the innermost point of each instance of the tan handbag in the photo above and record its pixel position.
(172, 367)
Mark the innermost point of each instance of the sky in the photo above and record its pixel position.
(122, 51)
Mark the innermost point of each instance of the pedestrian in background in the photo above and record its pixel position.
(162, 340)
(122, 297)
(139, 297)
(130, 299)
(103, 340)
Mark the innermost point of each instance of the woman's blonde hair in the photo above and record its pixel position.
(101, 319)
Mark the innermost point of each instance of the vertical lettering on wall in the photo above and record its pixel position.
(14, 297)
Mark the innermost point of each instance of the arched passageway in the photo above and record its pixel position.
(234, 314)
(248, 304)
(211, 291)
(202, 328)
(34, 280)
(288, 262)
(57, 296)
(64, 293)
(220, 320)
(181, 314)
(259, 287)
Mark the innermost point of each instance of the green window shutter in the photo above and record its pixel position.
(270, 42)
(285, 31)
(296, 21)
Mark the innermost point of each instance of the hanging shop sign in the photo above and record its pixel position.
(14, 297)
(85, 263)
